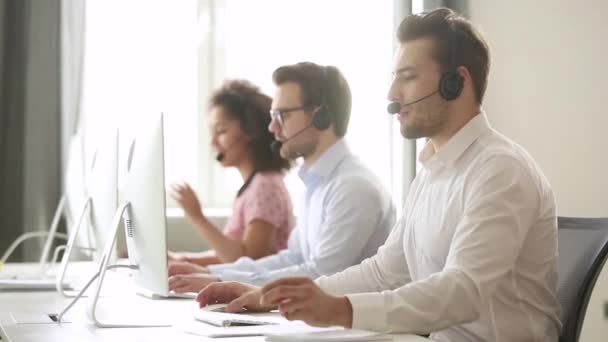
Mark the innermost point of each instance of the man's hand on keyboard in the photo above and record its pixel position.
(299, 298)
(236, 295)
(190, 282)
(185, 267)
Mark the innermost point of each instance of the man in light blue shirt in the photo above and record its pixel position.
(347, 214)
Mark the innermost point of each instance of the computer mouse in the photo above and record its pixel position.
(215, 307)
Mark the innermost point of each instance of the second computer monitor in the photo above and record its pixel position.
(102, 186)
(145, 217)
(75, 188)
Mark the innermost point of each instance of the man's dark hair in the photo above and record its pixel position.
(318, 84)
(457, 43)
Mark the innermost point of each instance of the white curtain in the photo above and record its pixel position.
(72, 65)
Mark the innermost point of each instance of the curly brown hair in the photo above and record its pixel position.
(243, 101)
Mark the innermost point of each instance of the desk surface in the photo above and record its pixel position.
(122, 306)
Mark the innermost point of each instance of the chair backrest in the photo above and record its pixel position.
(583, 247)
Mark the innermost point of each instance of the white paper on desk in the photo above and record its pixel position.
(203, 329)
(331, 336)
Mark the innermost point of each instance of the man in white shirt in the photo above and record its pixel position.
(345, 204)
(474, 257)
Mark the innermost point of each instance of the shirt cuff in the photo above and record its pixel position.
(219, 268)
(325, 284)
(233, 275)
(369, 311)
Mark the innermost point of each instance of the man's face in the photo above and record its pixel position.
(292, 122)
(416, 75)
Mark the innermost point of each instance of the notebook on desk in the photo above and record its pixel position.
(222, 319)
(171, 295)
(331, 336)
(281, 326)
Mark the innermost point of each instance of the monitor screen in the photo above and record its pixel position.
(145, 217)
(102, 186)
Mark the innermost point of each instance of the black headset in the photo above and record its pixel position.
(322, 118)
(451, 83)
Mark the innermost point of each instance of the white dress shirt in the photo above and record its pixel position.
(347, 215)
(474, 257)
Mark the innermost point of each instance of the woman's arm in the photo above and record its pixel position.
(199, 258)
(205, 260)
(258, 241)
(258, 238)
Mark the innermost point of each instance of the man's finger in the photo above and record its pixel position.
(238, 304)
(175, 267)
(173, 282)
(216, 292)
(297, 315)
(185, 287)
(286, 281)
(293, 306)
(284, 292)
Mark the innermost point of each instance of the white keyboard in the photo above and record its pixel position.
(222, 319)
(188, 295)
(33, 284)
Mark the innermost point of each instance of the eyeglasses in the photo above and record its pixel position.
(280, 114)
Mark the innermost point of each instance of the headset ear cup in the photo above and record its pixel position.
(321, 120)
(450, 85)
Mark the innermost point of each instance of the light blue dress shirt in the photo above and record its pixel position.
(347, 215)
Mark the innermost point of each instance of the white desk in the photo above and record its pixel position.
(120, 304)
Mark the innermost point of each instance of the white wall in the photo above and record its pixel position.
(183, 236)
(547, 91)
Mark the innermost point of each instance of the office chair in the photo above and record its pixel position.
(583, 248)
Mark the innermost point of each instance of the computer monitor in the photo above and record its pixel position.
(93, 217)
(143, 209)
(74, 186)
(91, 192)
(145, 217)
(102, 188)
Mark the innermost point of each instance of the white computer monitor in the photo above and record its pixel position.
(91, 191)
(74, 187)
(145, 218)
(74, 195)
(102, 188)
(92, 219)
(142, 207)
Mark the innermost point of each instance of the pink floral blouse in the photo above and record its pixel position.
(265, 198)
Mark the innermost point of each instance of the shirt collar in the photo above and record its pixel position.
(326, 163)
(455, 146)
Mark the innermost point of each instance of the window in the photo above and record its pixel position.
(418, 7)
(148, 56)
(141, 58)
(355, 36)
